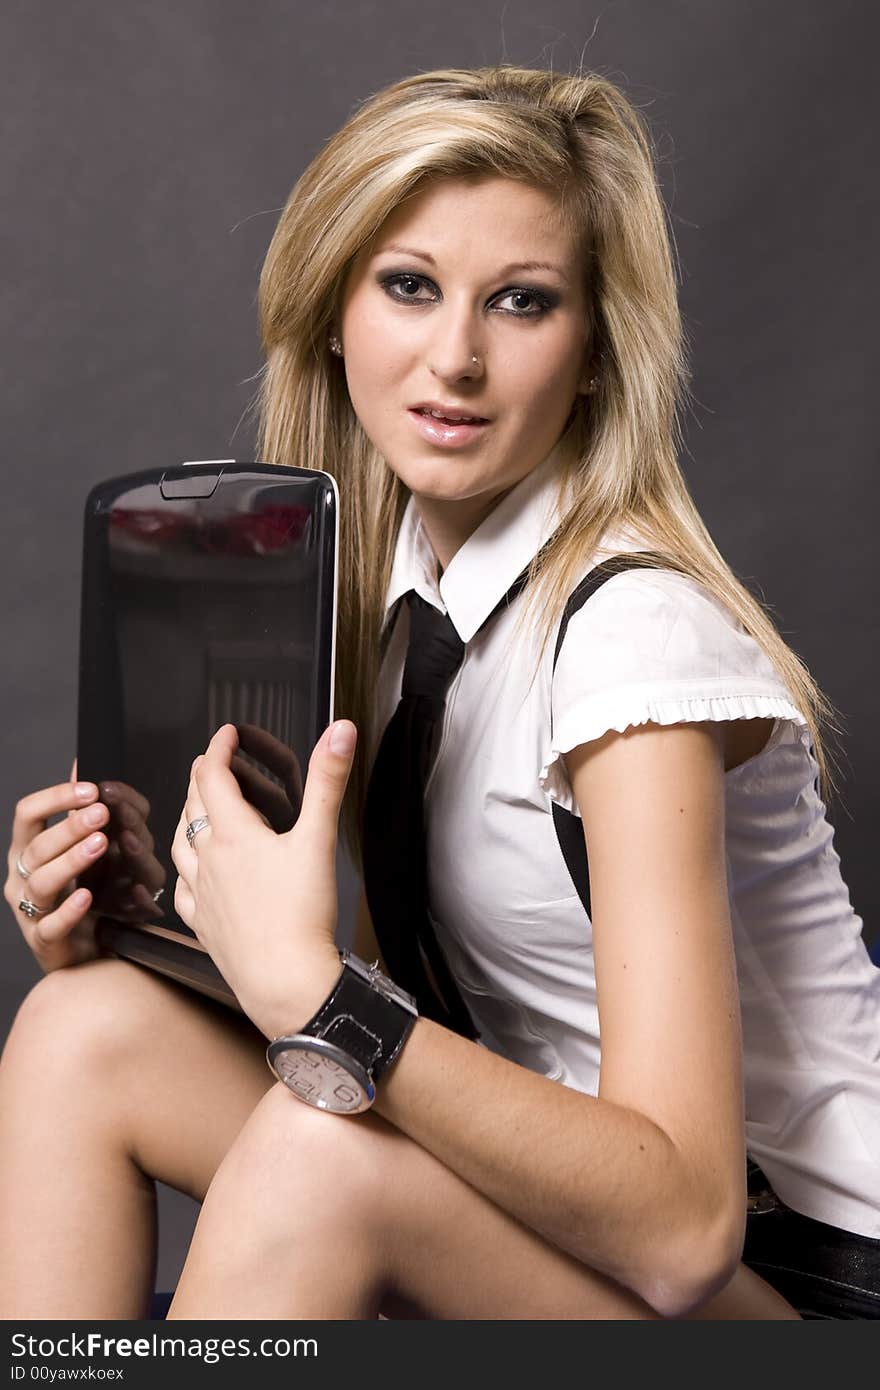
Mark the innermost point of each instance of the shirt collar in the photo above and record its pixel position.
(483, 569)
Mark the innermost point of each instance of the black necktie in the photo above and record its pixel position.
(395, 869)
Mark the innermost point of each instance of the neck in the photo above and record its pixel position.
(449, 524)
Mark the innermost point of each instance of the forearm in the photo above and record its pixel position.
(597, 1180)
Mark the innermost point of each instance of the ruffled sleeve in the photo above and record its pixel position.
(653, 645)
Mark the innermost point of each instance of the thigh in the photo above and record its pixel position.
(174, 1073)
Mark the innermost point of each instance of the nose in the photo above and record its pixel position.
(455, 350)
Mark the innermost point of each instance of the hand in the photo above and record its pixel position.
(65, 934)
(264, 905)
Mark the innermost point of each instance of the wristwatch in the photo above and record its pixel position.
(340, 1054)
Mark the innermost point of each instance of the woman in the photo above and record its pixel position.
(488, 244)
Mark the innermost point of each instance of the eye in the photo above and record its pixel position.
(408, 285)
(541, 301)
(404, 288)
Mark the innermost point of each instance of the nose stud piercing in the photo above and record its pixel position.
(336, 347)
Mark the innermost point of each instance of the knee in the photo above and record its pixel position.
(293, 1166)
(83, 1018)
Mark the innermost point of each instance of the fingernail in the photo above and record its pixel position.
(342, 737)
(84, 789)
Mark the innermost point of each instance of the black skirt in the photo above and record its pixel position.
(823, 1271)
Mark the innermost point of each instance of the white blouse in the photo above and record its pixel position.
(649, 645)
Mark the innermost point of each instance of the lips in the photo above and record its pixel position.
(454, 419)
(449, 415)
(446, 434)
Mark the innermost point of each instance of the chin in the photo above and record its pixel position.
(446, 476)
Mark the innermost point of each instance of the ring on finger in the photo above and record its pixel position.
(31, 910)
(193, 828)
(22, 868)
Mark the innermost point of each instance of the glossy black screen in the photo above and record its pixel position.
(208, 597)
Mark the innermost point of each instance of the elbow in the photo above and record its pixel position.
(696, 1267)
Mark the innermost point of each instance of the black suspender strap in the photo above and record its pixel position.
(568, 827)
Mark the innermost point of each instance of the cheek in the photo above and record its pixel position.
(376, 358)
(371, 378)
(546, 381)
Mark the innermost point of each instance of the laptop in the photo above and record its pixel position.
(209, 594)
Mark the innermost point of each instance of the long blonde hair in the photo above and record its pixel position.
(578, 136)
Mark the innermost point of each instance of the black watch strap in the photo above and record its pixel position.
(362, 1022)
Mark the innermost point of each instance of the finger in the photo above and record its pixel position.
(46, 882)
(57, 839)
(327, 778)
(194, 806)
(32, 811)
(216, 787)
(294, 785)
(45, 932)
(183, 856)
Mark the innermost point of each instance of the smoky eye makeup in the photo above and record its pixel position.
(391, 281)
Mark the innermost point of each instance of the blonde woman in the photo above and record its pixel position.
(487, 244)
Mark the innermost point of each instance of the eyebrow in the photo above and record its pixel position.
(507, 270)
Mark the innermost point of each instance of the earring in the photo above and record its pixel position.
(335, 345)
(594, 382)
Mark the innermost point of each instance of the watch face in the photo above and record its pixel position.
(314, 1072)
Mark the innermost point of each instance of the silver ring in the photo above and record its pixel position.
(194, 827)
(25, 872)
(30, 909)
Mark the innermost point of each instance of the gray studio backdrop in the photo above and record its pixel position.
(148, 149)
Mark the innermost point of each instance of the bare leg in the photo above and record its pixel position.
(324, 1216)
(111, 1077)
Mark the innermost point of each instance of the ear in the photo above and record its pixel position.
(591, 370)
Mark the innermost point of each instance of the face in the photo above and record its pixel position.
(447, 279)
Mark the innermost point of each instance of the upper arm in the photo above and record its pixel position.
(652, 803)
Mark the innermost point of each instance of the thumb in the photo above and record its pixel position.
(329, 768)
